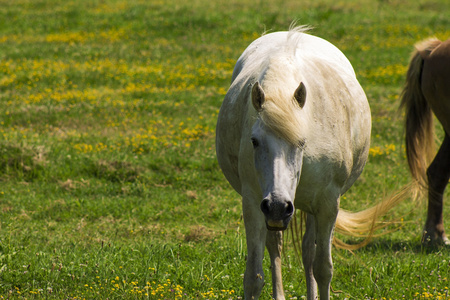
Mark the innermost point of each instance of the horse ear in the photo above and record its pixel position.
(258, 97)
(300, 95)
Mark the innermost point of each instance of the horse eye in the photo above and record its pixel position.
(255, 143)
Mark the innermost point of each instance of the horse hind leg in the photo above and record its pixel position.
(274, 244)
(438, 174)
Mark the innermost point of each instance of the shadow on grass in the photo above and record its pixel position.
(415, 246)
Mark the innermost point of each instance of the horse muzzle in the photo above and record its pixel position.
(277, 213)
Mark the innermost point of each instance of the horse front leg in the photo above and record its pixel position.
(255, 232)
(438, 174)
(323, 265)
(308, 254)
(274, 244)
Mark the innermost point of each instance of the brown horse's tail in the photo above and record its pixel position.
(418, 115)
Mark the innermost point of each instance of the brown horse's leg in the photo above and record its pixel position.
(438, 176)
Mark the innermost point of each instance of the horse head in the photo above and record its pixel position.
(277, 158)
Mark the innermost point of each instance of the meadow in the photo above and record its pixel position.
(109, 185)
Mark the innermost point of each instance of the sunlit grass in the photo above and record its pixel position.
(109, 186)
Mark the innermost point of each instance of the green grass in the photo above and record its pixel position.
(109, 185)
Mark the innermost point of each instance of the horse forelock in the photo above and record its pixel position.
(284, 120)
(281, 112)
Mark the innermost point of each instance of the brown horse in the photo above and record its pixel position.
(427, 90)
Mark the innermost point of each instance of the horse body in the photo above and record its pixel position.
(293, 131)
(427, 90)
(435, 82)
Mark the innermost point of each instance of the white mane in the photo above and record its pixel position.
(281, 112)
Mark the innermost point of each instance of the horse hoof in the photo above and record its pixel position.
(435, 239)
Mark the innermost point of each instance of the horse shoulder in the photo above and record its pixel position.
(339, 127)
(231, 123)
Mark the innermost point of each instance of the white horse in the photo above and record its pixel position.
(293, 131)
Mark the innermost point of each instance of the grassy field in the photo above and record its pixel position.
(109, 185)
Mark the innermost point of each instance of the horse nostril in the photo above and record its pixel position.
(265, 206)
(289, 208)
